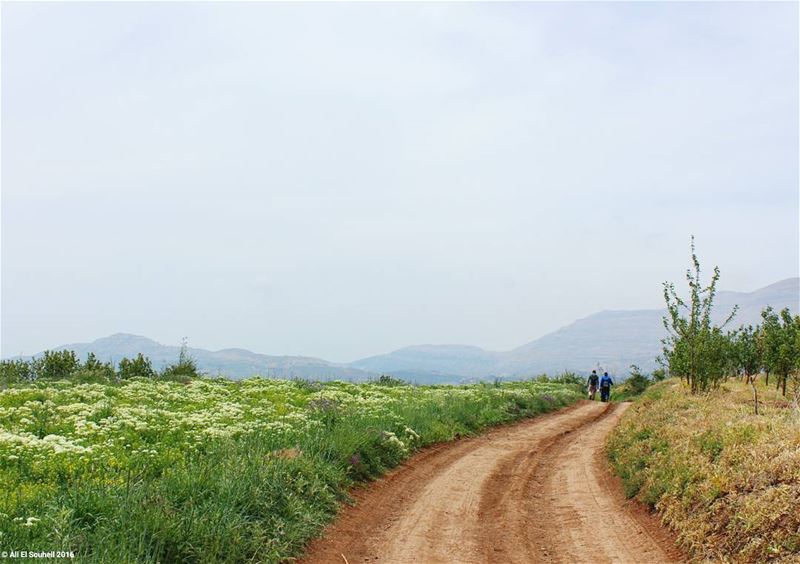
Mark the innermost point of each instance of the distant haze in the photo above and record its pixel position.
(339, 180)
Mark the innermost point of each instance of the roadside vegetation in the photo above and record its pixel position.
(636, 383)
(65, 365)
(704, 356)
(726, 480)
(715, 449)
(123, 464)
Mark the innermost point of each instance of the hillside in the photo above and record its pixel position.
(612, 340)
(434, 363)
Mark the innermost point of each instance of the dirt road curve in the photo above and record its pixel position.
(536, 491)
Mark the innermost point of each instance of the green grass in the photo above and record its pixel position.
(217, 471)
(727, 481)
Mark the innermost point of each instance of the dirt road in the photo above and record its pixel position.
(535, 491)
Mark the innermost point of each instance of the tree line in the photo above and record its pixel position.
(66, 365)
(704, 354)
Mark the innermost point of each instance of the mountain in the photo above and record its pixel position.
(612, 340)
(443, 363)
(233, 363)
(785, 293)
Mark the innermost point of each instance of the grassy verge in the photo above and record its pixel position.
(217, 471)
(727, 481)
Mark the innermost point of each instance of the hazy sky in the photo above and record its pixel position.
(341, 180)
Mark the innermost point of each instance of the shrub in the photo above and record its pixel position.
(139, 367)
(637, 382)
(567, 377)
(659, 375)
(56, 365)
(15, 371)
(386, 380)
(184, 370)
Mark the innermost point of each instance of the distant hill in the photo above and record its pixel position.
(612, 340)
(437, 362)
(233, 363)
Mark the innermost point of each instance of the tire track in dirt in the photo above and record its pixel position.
(533, 491)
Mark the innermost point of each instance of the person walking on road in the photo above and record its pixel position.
(605, 387)
(593, 380)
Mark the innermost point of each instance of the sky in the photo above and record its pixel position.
(344, 179)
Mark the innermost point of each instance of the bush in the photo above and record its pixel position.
(659, 375)
(139, 367)
(637, 382)
(386, 380)
(567, 377)
(15, 371)
(55, 365)
(184, 370)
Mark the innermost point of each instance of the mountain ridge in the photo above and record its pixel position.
(608, 339)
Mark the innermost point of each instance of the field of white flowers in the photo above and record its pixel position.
(215, 470)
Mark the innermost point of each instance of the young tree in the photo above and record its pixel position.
(746, 357)
(761, 347)
(186, 368)
(781, 350)
(745, 352)
(695, 349)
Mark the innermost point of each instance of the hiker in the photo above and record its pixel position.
(593, 379)
(605, 387)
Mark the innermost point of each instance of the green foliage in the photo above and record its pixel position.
(95, 365)
(185, 369)
(56, 365)
(386, 380)
(634, 386)
(745, 354)
(781, 345)
(637, 382)
(139, 367)
(696, 349)
(14, 371)
(659, 375)
(65, 365)
(567, 377)
(94, 371)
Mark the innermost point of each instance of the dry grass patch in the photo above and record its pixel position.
(727, 481)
